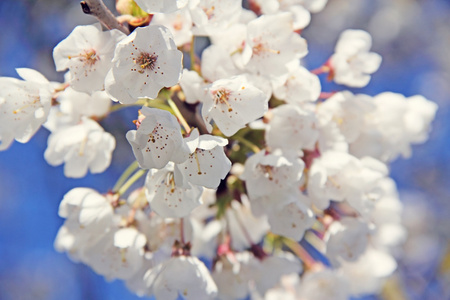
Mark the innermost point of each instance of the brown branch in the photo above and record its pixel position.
(98, 9)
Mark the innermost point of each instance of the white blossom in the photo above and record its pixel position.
(144, 62)
(118, 254)
(244, 227)
(217, 63)
(207, 165)
(73, 105)
(297, 86)
(166, 197)
(81, 147)
(271, 44)
(87, 53)
(158, 140)
(291, 220)
(231, 41)
(236, 277)
(339, 176)
(313, 192)
(313, 6)
(302, 16)
(292, 128)
(210, 16)
(347, 241)
(352, 63)
(192, 85)
(324, 285)
(24, 107)
(156, 6)
(367, 275)
(266, 173)
(183, 275)
(393, 126)
(347, 111)
(89, 216)
(232, 103)
(179, 23)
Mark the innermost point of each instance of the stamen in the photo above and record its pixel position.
(170, 181)
(122, 255)
(151, 138)
(221, 96)
(83, 146)
(198, 163)
(259, 48)
(333, 182)
(36, 100)
(89, 57)
(267, 170)
(146, 60)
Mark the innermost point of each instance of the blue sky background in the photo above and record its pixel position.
(415, 61)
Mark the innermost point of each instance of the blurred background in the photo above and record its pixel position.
(413, 36)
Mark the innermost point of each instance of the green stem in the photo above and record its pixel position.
(179, 115)
(131, 168)
(298, 250)
(160, 106)
(117, 107)
(192, 53)
(131, 180)
(246, 142)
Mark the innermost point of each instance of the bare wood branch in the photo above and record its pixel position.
(99, 10)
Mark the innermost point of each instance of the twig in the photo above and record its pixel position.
(190, 114)
(98, 9)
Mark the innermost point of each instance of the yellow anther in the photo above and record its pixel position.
(222, 97)
(170, 181)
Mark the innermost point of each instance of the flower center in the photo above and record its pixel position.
(259, 48)
(267, 171)
(221, 96)
(146, 61)
(89, 57)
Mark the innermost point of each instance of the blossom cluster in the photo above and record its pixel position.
(281, 186)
